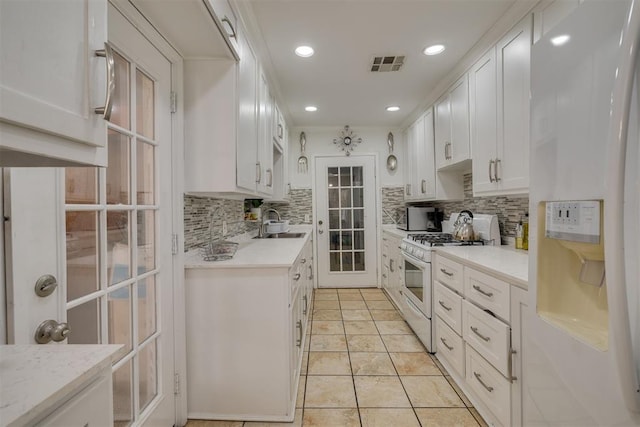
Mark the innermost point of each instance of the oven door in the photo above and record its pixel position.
(417, 283)
(420, 323)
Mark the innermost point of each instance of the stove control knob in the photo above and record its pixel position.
(419, 254)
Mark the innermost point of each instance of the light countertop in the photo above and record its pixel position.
(504, 262)
(257, 253)
(395, 231)
(33, 378)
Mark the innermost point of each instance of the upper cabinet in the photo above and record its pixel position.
(547, 15)
(265, 137)
(53, 98)
(228, 23)
(452, 127)
(499, 86)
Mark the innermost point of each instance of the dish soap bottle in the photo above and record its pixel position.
(525, 232)
(519, 235)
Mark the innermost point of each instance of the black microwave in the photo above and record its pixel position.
(421, 219)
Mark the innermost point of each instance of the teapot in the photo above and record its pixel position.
(463, 227)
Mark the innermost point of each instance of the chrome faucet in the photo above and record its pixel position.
(275, 211)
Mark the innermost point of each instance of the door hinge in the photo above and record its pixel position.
(174, 244)
(176, 383)
(173, 101)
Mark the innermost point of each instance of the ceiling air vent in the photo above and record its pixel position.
(387, 63)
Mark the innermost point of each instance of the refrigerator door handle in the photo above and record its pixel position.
(614, 209)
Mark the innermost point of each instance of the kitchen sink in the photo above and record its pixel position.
(282, 236)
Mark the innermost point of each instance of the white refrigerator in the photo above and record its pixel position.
(581, 337)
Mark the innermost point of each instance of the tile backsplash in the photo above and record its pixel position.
(392, 204)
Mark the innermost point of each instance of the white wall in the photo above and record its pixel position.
(320, 142)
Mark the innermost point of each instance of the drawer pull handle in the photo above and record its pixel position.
(305, 299)
(445, 344)
(444, 306)
(475, 331)
(477, 375)
(296, 277)
(485, 293)
(299, 339)
(303, 260)
(446, 272)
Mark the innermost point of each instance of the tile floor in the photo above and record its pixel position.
(365, 367)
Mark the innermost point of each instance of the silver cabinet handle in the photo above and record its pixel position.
(107, 53)
(477, 375)
(445, 344)
(384, 275)
(408, 189)
(511, 377)
(384, 255)
(304, 310)
(50, 330)
(233, 30)
(270, 181)
(491, 162)
(258, 172)
(475, 331)
(303, 260)
(299, 339)
(444, 306)
(495, 171)
(289, 188)
(424, 186)
(310, 272)
(391, 265)
(280, 131)
(296, 277)
(446, 272)
(483, 292)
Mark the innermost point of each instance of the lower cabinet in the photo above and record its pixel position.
(480, 349)
(392, 277)
(245, 339)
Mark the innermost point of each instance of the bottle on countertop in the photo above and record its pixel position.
(519, 235)
(525, 232)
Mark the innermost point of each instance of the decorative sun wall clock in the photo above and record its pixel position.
(347, 140)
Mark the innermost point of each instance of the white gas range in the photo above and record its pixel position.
(417, 289)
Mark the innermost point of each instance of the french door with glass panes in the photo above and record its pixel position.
(118, 240)
(345, 212)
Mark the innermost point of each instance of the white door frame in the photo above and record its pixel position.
(378, 210)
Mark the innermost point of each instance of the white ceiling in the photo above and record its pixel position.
(346, 34)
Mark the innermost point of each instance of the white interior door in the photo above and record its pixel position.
(345, 211)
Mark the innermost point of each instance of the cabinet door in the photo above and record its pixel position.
(247, 139)
(549, 14)
(442, 132)
(513, 107)
(484, 127)
(51, 80)
(265, 139)
(223, 11)
(428, 166)
(409, 163)
(417, 158)
(459, 109)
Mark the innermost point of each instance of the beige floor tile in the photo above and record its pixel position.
(380, 392)
(326, 305)
(327, 327)
(375, 297)
(430, 392)
(371, 364)
(380, 305)
(446, 417)
(402, 343)
(367, 343)
(414, 364)
(352, 305)
(328, 343)
(375, 290)
(326, 297)
(386, 417)
(348, 291)
(385, 315)
(329, 392)
(329, 363)
(350, 297)
(321, 314)
(326, 291)
(213, 423)
(356, 315)
(393, 327)
(331, 418)
(360, 327)
(463, 396)
(302, 382)
(297, 422)
(478, 417)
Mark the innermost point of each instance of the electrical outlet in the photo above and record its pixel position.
(224, 228)
(306, 218)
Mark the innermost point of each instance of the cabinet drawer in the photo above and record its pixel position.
(449, 345)
(449, 273)
(488, 335)
(488, 292)
(296, 275)
(489, 386)
(448, 305)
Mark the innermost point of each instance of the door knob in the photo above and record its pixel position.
(50, 330)
(320, 230)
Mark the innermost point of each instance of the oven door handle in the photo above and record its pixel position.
(413, 306)
(415, 261)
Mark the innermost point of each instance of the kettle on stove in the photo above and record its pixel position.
(463, 227)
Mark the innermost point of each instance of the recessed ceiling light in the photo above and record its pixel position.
(304, 51)
(310, 108)
(434, 50)
(560, 40)
(393, 108)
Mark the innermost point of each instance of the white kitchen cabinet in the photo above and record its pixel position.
(265, 137)
(221, 125)
(452, 146)
(392, 278)
(548, 14)
(281, 184)
(49, 91)
(519, 321)
(499, 87)
(228, 24)
(245, 339)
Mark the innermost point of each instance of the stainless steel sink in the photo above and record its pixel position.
(282, 236)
